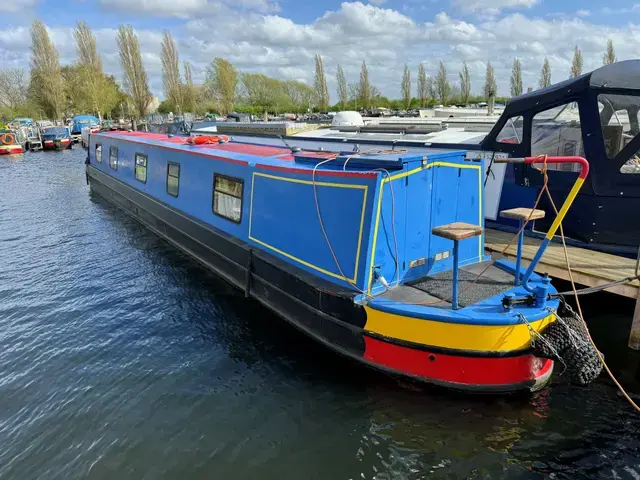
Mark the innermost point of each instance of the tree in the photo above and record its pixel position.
(354, 93)
(610, 56)
(442, 86)
(364, 90)
(260, 90)
(406, 87)
(171, 71)
(320, 85)
(220, 84)
(576, 63)
(343, 95)
(14, 87)
(465, 83)
(545, 74)
(92, 84)
(490, 87)
(423, 86)
(135, 82)
(516, 78)
(46, 78)
(188, 90)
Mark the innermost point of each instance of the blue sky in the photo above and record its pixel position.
(280, 37)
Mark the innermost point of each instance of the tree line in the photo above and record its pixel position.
(49, 90)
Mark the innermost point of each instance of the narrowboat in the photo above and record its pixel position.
(594, 116)
(81, 121)
(56, 138)
(9, 143)
(379, 255)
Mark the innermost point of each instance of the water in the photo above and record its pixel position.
(122, 358)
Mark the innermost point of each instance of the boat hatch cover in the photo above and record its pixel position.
(358, 160)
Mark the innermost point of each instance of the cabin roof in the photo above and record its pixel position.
(277, 157)
(620, 75)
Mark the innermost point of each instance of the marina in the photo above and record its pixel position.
(165, 369)
(299, 258)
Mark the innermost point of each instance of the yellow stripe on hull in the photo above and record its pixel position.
(485, 338)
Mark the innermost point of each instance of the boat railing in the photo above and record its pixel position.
(542, 292)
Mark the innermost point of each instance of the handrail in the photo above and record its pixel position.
(584, 171)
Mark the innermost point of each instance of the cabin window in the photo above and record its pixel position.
(99, 153)
(173, 178)
(141, 168)
(227, 197)
(620, 121)
(512, 131)
(113, 157)
(557, 132)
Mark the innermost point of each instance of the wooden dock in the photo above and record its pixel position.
(589, 268)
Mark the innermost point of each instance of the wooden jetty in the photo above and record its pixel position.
(589, 268)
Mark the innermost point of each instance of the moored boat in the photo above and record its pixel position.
(9, 143)
(377, 254)
(56, 138)
(81, 121)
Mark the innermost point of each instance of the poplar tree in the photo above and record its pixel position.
(135, 83)
(545, 74)
(343, 94)
(406, 87)
(490, 86)
(465, 83)
(320, 85)
(189, 93)
(442, 86)
(47, 85)
(171, 71)
(221, 82)
(576, 63)
(516, 78)
(610, 56)
(423, 86)
(365, 87)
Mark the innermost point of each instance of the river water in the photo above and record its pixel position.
(122, 358)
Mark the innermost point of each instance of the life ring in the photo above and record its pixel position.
(207, 139)
(11, 139)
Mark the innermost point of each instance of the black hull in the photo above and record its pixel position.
(57, 148)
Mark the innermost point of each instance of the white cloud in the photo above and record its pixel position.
(583, 13)
(492, 6)
(15, 6)
(385, 38)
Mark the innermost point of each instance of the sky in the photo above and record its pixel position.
(280, 37)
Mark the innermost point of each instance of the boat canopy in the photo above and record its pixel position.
(596, 115)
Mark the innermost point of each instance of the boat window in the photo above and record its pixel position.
(620, 121)
(99, 153)
(227, 197)
(173, 178)
(141, 168)
(512, 131)
(113, 157)
(556, 132)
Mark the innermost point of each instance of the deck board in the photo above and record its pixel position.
(589, 267)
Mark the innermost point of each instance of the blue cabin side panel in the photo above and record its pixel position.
(278, 209)
(195, 193)
(284, 220)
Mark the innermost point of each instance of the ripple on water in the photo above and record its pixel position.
(120, 357)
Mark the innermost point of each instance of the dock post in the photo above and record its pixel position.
(454, 295)
(634, 335)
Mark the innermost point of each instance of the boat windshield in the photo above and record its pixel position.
(54, 131)
(86, 121)
(620, 121)
(557, 132)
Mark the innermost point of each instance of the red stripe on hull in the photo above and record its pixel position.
(11, 151)
(473, 372)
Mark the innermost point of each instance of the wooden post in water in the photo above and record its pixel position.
(634, 335)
